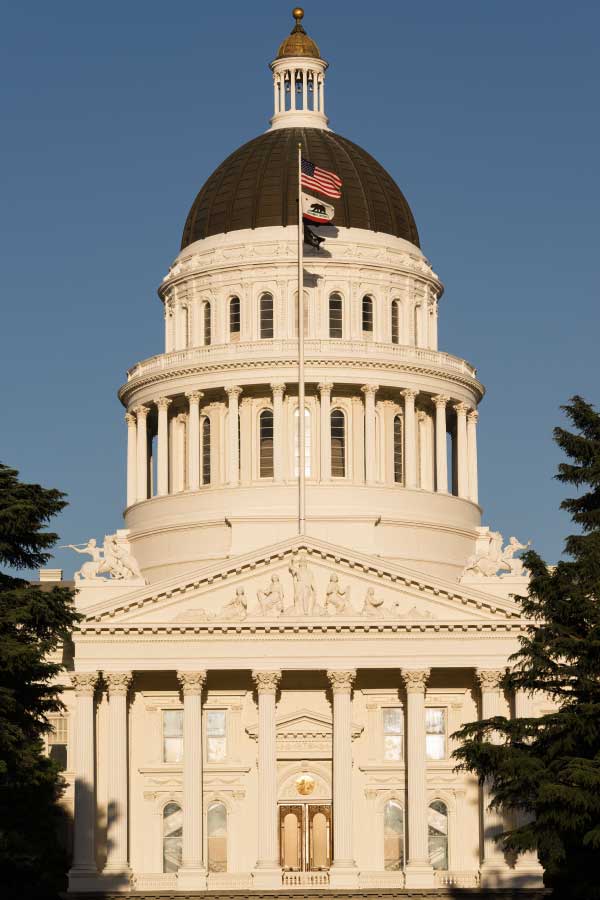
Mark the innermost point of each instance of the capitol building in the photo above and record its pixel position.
(263, 692)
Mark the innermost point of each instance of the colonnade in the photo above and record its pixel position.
(179, 449)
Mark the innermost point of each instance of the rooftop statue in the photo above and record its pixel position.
(114, 559)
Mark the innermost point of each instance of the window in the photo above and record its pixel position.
(172, 837)
(266, 443)
(216, 829)
(435, 733)
(206, 450)
(393, 836)
(206, 324)
(367, 315)
(307, 444)
(58, 740)
(336, 329)
(398, 450)
(338, 444)
(266, 316)
(395, 321)
(216, 737)
(437, 827)
(234, 319)
(172, 735)
(393, 733)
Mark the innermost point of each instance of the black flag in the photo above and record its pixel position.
(312, 239)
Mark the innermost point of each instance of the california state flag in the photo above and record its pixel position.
(318, 211)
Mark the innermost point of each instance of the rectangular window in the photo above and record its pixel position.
(435, 733)
(172, 735)
(393, 733)
(58, 740)
(216, 736)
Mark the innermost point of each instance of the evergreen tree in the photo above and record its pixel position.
(33, 624)
(547, 770)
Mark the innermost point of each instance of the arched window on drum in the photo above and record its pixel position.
(172, 837)
(205, 455)
(437, 822)
(336, 316)
(234, 319)
(398, 449)
(393, 836)
(266, 316)
(395, 322)
(216, 830)
(266, 443)
(367, 316)
(338, 444)
(206, 324)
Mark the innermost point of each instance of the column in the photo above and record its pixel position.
(410, 438)
(425, 319)
(358, 441)
(528, 871)
(369, 390)
(344, 873)
(180, 452)
(131, 458)
(194, 439)
(325, 389)
(441, 447)
(292, 89)
(192, 874)
(84, 851)
(247, 439)
(162, 466)
(304, 91)
(267, 873)
(117, 859)
(142, 452)
(493, 864)
(275, 95)
(278, 389)
(472, 418)
(419, 873)
(462, 471)
(233, 473)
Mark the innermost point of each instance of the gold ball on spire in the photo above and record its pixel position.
(298, 13)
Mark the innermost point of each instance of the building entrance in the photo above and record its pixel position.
(305, 837)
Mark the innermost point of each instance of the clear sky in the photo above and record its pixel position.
(114, 114)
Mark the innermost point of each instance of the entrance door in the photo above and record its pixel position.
(305, 837)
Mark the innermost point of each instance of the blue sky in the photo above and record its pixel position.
(114, 114)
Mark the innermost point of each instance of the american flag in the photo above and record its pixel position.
(320, 180)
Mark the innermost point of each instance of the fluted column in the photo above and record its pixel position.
(441, 448)
(410, 438)
(493, 865)
(192, 874)
(142, 452)
(278, 389)
(419, 872)
(233, 472)
(131, 458)
(472, 418)
(462, 470)
(267, 873)
(369, 390)
(117, 860)
(84, 852)
(344, 873)
(162, 466)
(325, 388)
(194, 439)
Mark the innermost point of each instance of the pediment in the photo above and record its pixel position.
(303, 732)
(298, 582)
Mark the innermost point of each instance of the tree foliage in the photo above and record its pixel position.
(33, 626)
(546, 771)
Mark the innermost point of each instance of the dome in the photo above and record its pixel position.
(256, 187)
(298, 42)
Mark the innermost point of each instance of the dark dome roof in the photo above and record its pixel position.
(256, 187)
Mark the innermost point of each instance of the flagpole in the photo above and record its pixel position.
(301, 428)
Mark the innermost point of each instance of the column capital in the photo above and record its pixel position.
(117, 682)
(233, 391)
(415, 680)
(163, 402)
(421, 415)
(325, 387)
(191, 682)
(194, 397)
(461, 408)
(369, 389)
(266, 682)
(130, 419)
(473, 416)
(489, 679)
(440, 401)
(142, 411)
(341, 680)
(84, 683)
(409, 393)
(278, 387)
(181, 417)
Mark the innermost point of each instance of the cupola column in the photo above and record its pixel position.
(142, 452)
(343, 872)
(131, 458)
(267, 874)
(410, 438)
(472, 418)
(325, 389)
(462, 469)
(117, 860)
(369, 390)
(419, 872)
(162, 466)
(84, 855)
(192, 874)
(441, 448)
(278, 389)
(194, 439)
(233, 420)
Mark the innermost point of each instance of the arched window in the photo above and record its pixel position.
(395, 321)
(437, 821)
(234, 319)
(266, 317)
(172, 837)
(266, 443)
(206, 324)
(307, 444)
(338, 444)
(398, 449)
(216, 830)
(336, 325)
(206, 450)
(393, 836)
(305, 314)
(367, 315)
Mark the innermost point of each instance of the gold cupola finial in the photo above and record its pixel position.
(298, 42)
(298, 14)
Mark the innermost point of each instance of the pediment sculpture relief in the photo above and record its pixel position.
(112, 560)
